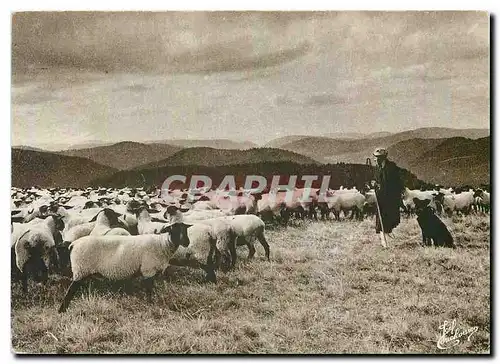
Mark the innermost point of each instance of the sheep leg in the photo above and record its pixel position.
(262, 240)
(148, 284)
(232, 251)
(70, 293)
(251, 250)
(24, 278)
(24, 281)
(209, 268)
(210, 277)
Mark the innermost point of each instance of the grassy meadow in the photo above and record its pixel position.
(329, 288)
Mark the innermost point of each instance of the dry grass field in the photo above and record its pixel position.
(329, 288)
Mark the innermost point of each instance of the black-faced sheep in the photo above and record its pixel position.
(119, 257)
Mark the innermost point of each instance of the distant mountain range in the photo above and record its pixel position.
(207, 143)
(453, 161)
(183, 143)
(328, 150)
(280, 142)
(211, 157)
(125, 155)
(437, 155)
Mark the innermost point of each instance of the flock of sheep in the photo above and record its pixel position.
(119, 233)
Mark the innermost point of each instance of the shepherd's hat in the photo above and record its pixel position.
(380, 152)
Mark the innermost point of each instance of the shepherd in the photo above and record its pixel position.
(388, 191)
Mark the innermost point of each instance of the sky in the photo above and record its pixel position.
(256, 76)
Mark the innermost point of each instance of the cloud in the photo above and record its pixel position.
(167, 42)
(146, 75)
(229, 58)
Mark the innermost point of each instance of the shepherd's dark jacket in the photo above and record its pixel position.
(389, 195)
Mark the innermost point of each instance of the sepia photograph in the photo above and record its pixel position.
(250, 182)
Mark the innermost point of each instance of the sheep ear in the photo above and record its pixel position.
(95, 217)
(171, 209)
(166, 229)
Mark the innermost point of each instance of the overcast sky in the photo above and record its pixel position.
(244, 75)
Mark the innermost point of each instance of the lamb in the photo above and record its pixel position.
(33, 248)
(247, 228)
(105, 221)
(121, 257)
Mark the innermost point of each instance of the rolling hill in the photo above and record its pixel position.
(27, 147)
(328, 150)
(32, 168)
(125, 155)
(208, 143)
(279, 142)
(455, 162)
(409, 152)
(219, 157)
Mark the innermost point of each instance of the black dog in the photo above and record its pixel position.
(432, 227)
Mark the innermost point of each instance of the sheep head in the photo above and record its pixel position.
(178, 233)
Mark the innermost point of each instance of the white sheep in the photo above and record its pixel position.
(195, 215)
(80, 217)
(247, 228)
(146, 225)
(105, 223)
(78, 231)
(33, 247)
(202, 251)
(346, 200)
(224, 235)
(121, 257)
